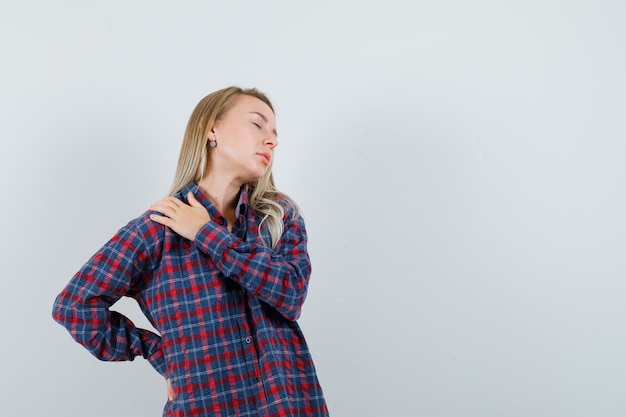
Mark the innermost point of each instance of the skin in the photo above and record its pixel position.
(246, 138)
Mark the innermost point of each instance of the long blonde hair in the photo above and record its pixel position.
(263, 197)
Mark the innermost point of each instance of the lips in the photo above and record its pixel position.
(265, 156)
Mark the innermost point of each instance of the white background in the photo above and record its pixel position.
(460, 165)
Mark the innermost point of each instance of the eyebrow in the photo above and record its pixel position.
(265, 120)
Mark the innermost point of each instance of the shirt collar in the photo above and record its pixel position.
(240, 209)
(242, 204)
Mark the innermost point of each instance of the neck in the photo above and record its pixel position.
(223, 194)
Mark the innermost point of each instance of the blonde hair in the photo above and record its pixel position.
(263, 197)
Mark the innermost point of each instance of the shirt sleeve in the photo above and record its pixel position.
(83, 305)
(278, 276)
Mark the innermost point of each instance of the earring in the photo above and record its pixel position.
(212, 143)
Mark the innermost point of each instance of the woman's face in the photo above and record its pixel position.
(246, 138)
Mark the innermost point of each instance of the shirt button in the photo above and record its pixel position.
(248, 340)
(256, 379)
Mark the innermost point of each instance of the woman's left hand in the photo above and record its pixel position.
(186, 220)
(170, 390)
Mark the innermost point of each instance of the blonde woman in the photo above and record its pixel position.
(220, 268)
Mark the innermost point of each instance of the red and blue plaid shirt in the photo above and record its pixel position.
(225, 306)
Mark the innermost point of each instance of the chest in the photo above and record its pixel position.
(186, 287)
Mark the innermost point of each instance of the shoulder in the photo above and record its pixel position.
(144, 231)
(294, 227)
(291, 210)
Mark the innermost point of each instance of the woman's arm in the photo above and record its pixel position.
(83, 305)
(278, 276)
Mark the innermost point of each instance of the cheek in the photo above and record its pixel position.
(239, 146)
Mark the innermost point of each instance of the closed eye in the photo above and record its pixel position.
(256, 124)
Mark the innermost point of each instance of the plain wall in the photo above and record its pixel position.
(461, 167)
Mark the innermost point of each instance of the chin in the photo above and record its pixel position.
(255, 172)
(253, 177)
(259, 173)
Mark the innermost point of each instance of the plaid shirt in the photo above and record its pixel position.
(225, 306)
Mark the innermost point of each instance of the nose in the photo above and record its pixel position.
(271, 141)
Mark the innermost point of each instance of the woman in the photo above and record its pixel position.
(220, 268)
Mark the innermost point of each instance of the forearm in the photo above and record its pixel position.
(280, 279)
(83, 307)
(108, 335)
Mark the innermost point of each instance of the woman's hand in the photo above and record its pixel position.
(170, 391)
(186, 220)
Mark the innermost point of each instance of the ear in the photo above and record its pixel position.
(215, 127)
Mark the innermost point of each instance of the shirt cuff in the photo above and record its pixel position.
(213, 240)
(158, 362)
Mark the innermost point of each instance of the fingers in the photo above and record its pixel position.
(170, 206)
(186, 220)
(167, 206)
(170, 390)
(192, 200)
(165, 221)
